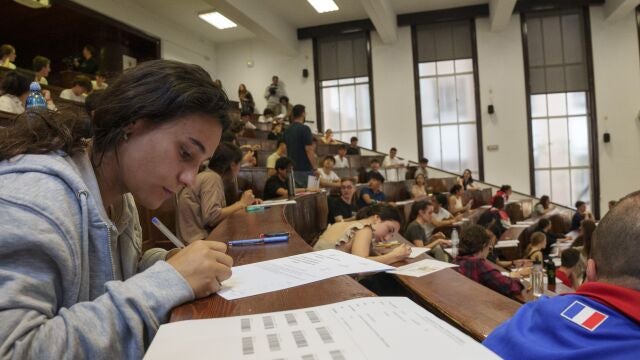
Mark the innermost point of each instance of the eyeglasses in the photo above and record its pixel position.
(346, 187)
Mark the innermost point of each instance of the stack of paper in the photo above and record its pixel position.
(276, 202)
(359, 329)
(506, 243)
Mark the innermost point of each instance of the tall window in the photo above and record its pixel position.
(448, 118)
(559, 108)
(344, 87)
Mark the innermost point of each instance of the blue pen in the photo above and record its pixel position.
(257, 241)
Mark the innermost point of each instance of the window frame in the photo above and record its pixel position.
(590, 99)
(318, 89)
(476, 85)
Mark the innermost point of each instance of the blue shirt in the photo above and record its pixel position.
(549, 329)
(377, 196)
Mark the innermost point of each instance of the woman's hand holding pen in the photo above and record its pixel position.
(204, 265)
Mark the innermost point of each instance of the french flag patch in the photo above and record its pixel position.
(584, 316)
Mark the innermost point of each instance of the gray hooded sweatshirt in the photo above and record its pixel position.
(72, 283)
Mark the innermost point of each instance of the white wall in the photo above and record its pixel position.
(176, 43)
(617, 87)
(232, 69)
(394, 94)
(501, 72)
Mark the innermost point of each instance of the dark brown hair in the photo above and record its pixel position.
(160, 91)
(474, 238)
(40, 132)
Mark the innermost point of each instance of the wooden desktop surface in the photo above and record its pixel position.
(243, 225)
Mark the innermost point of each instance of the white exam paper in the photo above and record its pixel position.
(277, 274)
(421, 268)
(417, 251)
(372, 328)
(313, 182)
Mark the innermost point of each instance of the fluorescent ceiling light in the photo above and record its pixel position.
(218, 20)
(323, 6)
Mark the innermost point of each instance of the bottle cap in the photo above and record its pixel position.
(35, 86)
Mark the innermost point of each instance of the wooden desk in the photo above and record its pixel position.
(243, 225)
(466, 304)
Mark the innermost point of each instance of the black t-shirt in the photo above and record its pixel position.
(297, 136)
(337, 207)
(353, 151)
(271, 187)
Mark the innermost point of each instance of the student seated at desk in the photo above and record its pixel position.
(276, 132)
(327, 138)
(422, 168)
(374, 224)
(7, 56)
(353, 149)
(341, 158)
(466, 180)
(537, 243)
(504, 192)
(440, 216)
(372, 193)
(278, 184)
(544, 226)
(281, 151)
(475, 244)
(455, 201)
(328, 178)
(202, 206)
(14, 89)
(419, 189)
(567, 270)
(502, 216)
(581, 214)
(80, 87)
(375, 169)
(75, 282)
(420, 218)
(601, 320)
(542, 207)
(343, 208)
(583, 244)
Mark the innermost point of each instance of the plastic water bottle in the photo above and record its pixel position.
(537, 279)
(455, 240)
(35, 99)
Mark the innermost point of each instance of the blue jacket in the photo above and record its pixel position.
(72, 283)
(599, 321)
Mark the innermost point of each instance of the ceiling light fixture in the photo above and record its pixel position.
(218, 20)
(323, 6)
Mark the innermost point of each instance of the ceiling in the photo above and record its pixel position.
(295, 13)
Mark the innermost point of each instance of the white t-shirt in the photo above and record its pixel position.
(95, 86)
(271, 160)
(69, 95)
(332, 176)
(11, 104)
(441, 215)
(341, 163)
(388, 161)
(249, 125)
